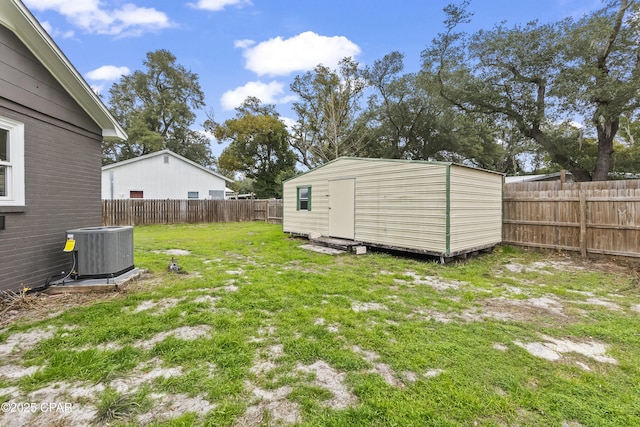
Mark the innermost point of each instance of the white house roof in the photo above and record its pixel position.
(533, 178)
(161, 153)
(15, 16)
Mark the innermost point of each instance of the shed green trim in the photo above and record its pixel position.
(448, 211)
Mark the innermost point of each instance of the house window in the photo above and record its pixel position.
(166, 159)
(136, 194)
(216, 194)
(193, 195)
(304, 199)
(11, 163)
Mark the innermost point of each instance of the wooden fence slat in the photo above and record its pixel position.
(589, 217)
(147, 211)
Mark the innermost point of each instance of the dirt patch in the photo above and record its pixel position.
(542, 267)
(144, 373)
(330, 379)
(23, 341)
(379, 368)
(77, 411)
(434, 315)
(368, 306)
(272, 405)
(553, 349)
(174, 252)
(158, 307)
(207, 299)
(431, 373)
(13, 372)
(186, 333)
(262, 365)
(169, 406)
(235, 272)
(322, 249)
(527, 310)
(431, 281)
(603, 303)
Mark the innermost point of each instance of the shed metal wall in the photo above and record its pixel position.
(475, 209)
(397, 204)
(62, 168)
(436, 208)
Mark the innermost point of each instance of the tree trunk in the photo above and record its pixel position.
(606, 134)
(579, 173)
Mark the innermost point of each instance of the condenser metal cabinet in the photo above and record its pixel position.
(103, 251)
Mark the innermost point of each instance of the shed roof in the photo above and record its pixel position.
(15, 16)
(160, 153)
(368, 159)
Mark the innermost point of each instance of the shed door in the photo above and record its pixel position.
(342, 208)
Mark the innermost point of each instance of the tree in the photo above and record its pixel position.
(540, 78)
(156, 108)
(327, 111)
(407, 119)
(258, 146)
(626, 157)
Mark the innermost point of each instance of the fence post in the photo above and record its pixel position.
(583, 223)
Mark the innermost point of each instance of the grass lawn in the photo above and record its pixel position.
(256, 330)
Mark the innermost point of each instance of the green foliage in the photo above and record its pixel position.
(626, 157)
(539, 77)
(156, 108)
(258, 147)
(327, 126)
(114, 407)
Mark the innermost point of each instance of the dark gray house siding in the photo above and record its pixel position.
(62, 146)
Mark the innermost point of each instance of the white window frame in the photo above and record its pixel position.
(15, 165)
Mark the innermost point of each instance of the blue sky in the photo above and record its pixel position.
(256, 47)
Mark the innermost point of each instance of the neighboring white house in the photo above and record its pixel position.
(161, 175)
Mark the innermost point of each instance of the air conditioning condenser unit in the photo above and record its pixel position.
(102, 251)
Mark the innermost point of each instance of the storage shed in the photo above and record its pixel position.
(435, 208)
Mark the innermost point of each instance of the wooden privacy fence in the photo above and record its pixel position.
(589, 217)
(146, 212)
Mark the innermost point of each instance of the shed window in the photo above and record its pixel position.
(304, 199)
(136, 194)
(193, 195)
(11, 163)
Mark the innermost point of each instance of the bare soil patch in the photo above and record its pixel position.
(554, 349)
(330, 379)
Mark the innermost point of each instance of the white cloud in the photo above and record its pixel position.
(268, 93)
(107, 73)
(54, 32)
(280, 57)
(243, 44)
(91, 16)
(288, 122)
(97, 89)
(217, 5)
